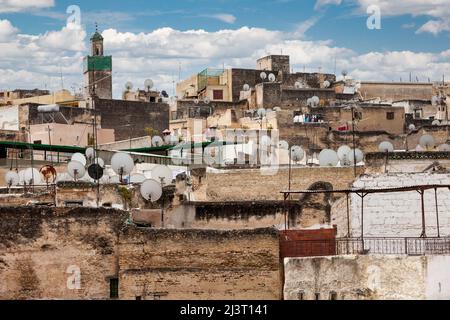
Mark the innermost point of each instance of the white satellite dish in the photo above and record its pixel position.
(128, 86)
(211, 154)
(100, 162)
(246, 87)
(122, 163)
(32, 176)
(435, 100)
(315, 101)
(157, 141)
(196, 101)
(436, 123)
(272, 77)
(297, 154)
(151, 190)
(76, 170)
(79, 158)
(148, 84)
(427, 142)
(359, 156)
(328, 158)
(87, 178)
(444, 147)
(12, 178)
(263, 75)
(283, 145)
(265, 141)
(90, 154)
(386, 146)
(412, 127)
(327, 84)
(206, 100)
(163, 174)
(262, 112)
(298, 85)
(137, 178)
(343, 152)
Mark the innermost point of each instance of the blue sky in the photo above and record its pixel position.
(156, 37)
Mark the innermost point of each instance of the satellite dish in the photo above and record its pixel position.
(359, 156)
(196, 101)
(427, 142)
(444, 147)
(283, 145)
(262, 112)
(167, 140)
(297, 119)
(95, 171)
(298, 85)
(436, 123)
(412, 127)
(263, 75)
(48, 173)
(272, 77)
(148, 84)
(327, 84)
(76, 170)
(386, 146)
(297, 153)
(21, 174)
(104, 180)
(137, 178)
(128, 86)
(157, 141)
(246, 87)
(151, 190)
(100, 162)
(32, 176)
(211, 154)
(206, 100)
(315, 101)
(163, 174)
(344, 73)
(63, 177)
(90, 154)
(122, 163)
(435, 100)
(12, 178)
(342, 153)
(79, 158)
(328, 158)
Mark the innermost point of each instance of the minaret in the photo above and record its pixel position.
(98, 70)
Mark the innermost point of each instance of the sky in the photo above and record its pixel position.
(42, 45)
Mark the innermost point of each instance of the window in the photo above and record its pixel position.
(301, 295)
(138, 298)
(333, 295)
(174, 115)
(114, 288)
(358, 115)
(73, 204)
(317, 296)
(390, 115)
(418, 114)
(218, 94)
(37, 142)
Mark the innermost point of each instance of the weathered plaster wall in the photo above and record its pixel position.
(368, 278)
(194, 264)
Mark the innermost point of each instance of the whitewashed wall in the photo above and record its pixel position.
(400, 214)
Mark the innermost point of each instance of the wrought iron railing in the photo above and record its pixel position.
(372, 245)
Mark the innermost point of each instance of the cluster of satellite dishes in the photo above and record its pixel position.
(426, 143)
(271, 77)
(206, 100)
(148, 85)
(313, 102)
(345, 156)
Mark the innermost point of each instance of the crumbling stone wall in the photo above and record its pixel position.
(194, 264)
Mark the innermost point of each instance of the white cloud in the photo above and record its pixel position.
(323, 3)
(6, 30)
(23, 5)
(224, 17)
(31, 61)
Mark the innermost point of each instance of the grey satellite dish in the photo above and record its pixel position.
(206, 100)
(436, 123)
(157, 141)
(263, 75)
(90, 154)
(12, 178)
(163, 174)
(309, 102)
(128, 86)
(196, 101)
(148, 84)
(359, 156)
(297, 154)
(427, 142)
(272, 77)
(315, 101)
(76, 170)
(137, 178)
(386, 146)
(122, 164)
(328, 158)
(298, 85)
(21, 174)
(342, 153)
(262, 112)
(444, 147)
(283, 145)
(412, 127)
(151, 190)
(100, 162)
(32, 176)
(246, 87)
(327, 84)
(79, 158)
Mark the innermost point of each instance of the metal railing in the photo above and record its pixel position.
(373, 245)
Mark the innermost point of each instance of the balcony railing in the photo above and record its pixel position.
(378, 246)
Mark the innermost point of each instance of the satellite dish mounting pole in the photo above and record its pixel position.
(354, 140)
(162, 203)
